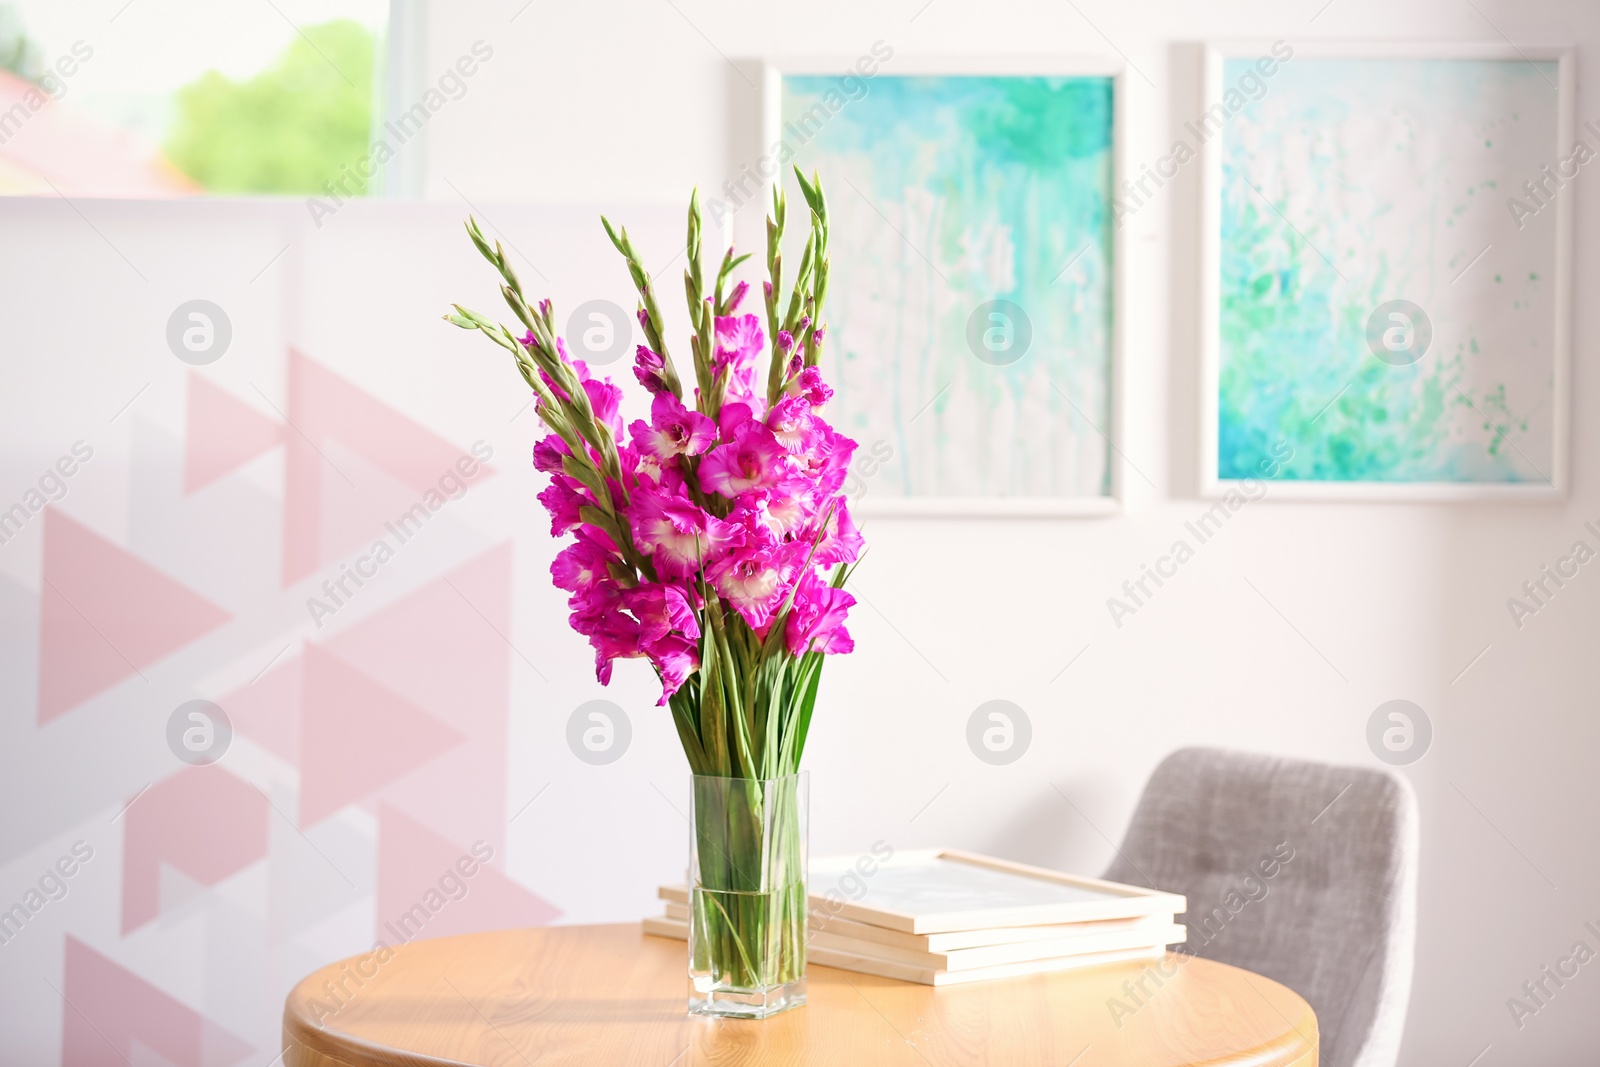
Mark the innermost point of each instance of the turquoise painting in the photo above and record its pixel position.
(971, 289)
(1385, 309)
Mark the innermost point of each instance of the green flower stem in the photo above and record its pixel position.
(652, 321)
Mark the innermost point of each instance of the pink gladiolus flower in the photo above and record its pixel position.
(675, 658)
(787, 506)
(562, 498)
(548, 454)
(817, 617)
(673, 430)
(734, 414)
(827, 463)
(811, 386)
(593, 604)
(738, 349)
(606, 400)
(649, 367)
(650, 472)
(660, 609)
(840, 540)
(739, 337)
(791, 423)
(614, 636)
(754, 579)
(753, 460)
(677, 535)
(579, 566)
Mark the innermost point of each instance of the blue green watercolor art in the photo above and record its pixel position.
(1348, 185)
(947, 193)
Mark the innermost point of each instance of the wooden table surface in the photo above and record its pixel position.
(602, 995)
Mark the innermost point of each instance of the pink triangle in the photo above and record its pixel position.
(202, 821)
(324, 406)
(357, 736)
(268, 710)
(351, 520)
(444, 646)
(104, 614)
(223, 434)
(109, 1008)
(424, 890)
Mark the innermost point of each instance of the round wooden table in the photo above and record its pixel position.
(602, 995)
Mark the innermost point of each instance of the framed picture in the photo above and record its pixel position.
(974, 297)
(1386, 270)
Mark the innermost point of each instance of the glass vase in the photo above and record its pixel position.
(747, 895)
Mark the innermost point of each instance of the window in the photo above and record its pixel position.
(159, 98)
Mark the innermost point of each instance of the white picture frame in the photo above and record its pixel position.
(774, 70)
(1210, 484)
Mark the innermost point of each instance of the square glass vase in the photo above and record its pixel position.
(747, 895)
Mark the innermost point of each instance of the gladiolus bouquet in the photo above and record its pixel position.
(713, 540)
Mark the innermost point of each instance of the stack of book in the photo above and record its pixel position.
(942, 917)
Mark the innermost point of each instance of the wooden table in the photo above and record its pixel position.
(603, 995)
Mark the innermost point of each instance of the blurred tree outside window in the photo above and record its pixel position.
(179, 97)
(18, 54)
(290, 128)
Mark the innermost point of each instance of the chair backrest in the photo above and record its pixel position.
(1303, 872)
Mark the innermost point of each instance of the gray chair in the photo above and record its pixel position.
(1303, 872)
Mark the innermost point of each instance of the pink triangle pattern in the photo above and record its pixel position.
(425, 889)
(202, 821)
(268, 710)
(104, 614)
(357, 736)
(223, 434)
(109, 1008)
(445, 647)
(322, 407)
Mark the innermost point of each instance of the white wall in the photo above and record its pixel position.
(633, 102)
(628, 106)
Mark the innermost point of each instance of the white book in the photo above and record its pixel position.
(981, 948)
(940, 891)
(959, 939)
(969, 959)
(911, 972)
